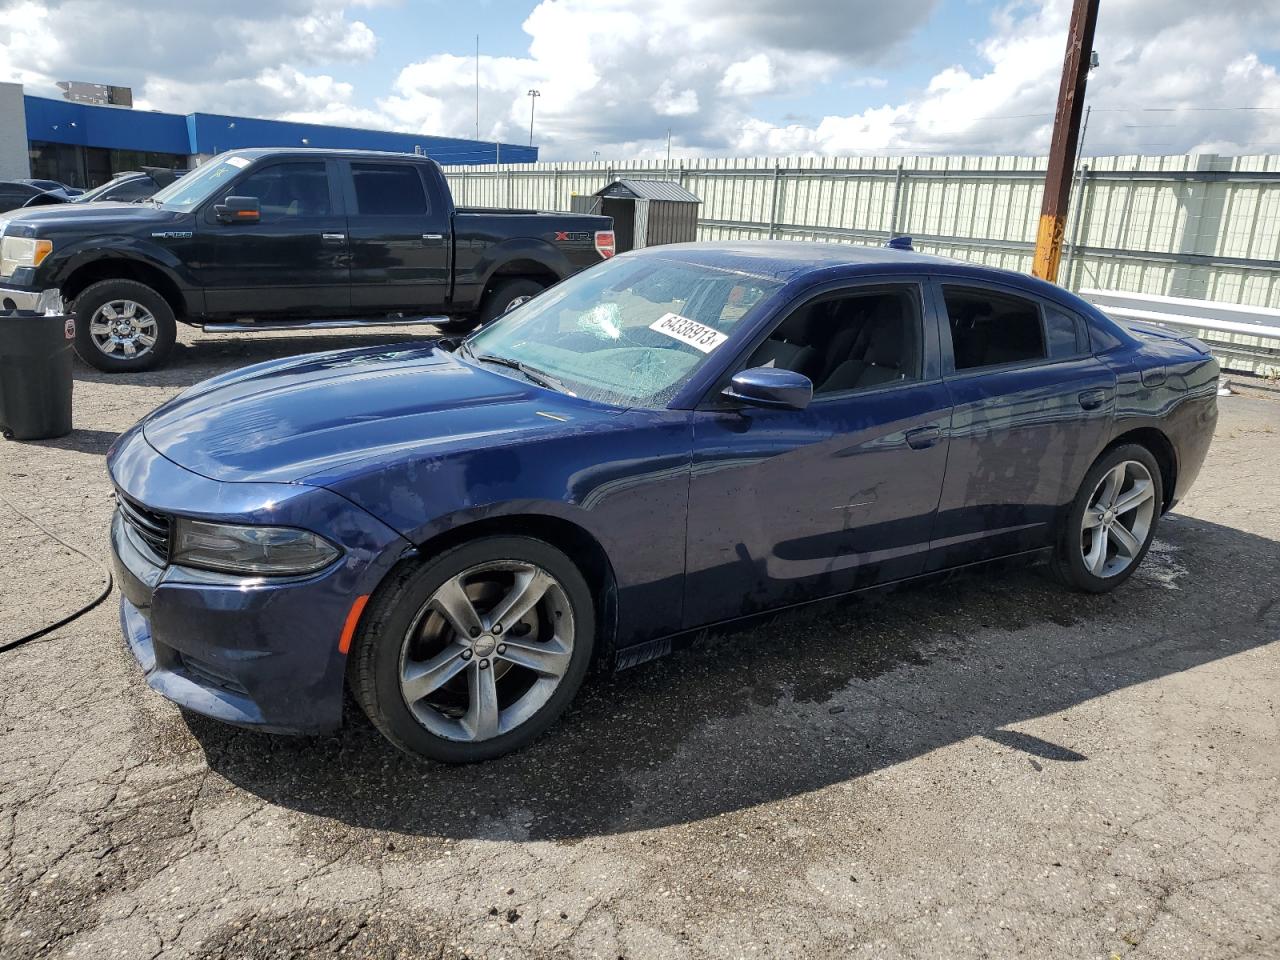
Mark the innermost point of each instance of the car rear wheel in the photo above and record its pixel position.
(476, 652)
(123, 326)
(1112, 520)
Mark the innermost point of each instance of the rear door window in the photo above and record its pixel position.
(990, 329)
(389, 190)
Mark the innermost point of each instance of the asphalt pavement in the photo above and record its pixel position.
(990, 766)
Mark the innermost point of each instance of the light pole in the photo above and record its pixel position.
(533, 101)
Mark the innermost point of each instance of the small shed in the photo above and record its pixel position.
(645, 213)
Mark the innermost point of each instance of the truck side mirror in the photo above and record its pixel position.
(238, 210)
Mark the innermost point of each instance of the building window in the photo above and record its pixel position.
(57, 161)
(93, 166)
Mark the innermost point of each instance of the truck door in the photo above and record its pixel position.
(294, 259)
(399, 238)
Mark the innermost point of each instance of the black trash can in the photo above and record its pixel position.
(35, 375)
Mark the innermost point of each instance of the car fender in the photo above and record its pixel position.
(604, 486)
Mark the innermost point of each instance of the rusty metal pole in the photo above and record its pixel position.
(1062, 150)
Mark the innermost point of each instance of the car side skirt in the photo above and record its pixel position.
(636, 654)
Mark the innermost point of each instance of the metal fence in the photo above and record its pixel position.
(1201, 227)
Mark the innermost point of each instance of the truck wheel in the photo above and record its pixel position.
(123, 326)
(507, 295)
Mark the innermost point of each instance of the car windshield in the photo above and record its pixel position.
(186, 193)
(629, 332)
(89, 196)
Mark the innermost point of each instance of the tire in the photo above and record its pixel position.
(1130, 477)
(406, 639)
(506, 295)
(152, 327)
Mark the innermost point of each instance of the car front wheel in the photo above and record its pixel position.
(1112, 520)
(476, 652)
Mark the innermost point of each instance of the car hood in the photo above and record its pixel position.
(97, 214)
(290, 420)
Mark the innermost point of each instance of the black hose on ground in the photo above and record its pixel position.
(106, 590)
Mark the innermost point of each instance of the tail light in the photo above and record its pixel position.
(605, 245)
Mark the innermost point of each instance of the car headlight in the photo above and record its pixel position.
(232, 548)
(18, 252)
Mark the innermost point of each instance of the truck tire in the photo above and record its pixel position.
(123, 326)
(506, 295)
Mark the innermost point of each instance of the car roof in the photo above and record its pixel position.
(256, 152)
(805, 261)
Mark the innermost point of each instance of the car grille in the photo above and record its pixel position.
(151, 527)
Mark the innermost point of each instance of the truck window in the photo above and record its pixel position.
(297, 189)
(389, 190)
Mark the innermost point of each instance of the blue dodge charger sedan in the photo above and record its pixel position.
(679, 437)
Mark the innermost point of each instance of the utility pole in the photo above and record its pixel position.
(533, 100)
(1066, 131)
(668, 148)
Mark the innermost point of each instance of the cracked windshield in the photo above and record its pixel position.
(627, 332)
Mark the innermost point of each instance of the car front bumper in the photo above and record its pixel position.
(259, 652)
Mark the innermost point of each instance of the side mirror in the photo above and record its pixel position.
(238, 210)
(770, 387)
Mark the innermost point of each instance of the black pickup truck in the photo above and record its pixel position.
(275, 238)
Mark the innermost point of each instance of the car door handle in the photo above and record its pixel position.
(923, 437)
(433, 236)
(333, 237)
(1092, 399)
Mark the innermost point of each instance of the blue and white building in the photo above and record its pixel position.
(85, 144)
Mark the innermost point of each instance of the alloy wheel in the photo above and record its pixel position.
(487, 650)
(123, 328)
(1118, 519)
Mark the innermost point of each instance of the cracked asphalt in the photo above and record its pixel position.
(984, 767)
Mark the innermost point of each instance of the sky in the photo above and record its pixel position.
(720, 77)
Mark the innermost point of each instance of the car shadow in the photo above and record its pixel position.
(813, 698)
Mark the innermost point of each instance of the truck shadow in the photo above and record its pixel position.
(809, 700)
(199, 356)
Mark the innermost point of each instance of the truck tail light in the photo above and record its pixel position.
(605, 245)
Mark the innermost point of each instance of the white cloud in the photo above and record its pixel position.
(232, 56)
(749, 77)
(1163, 63)
(617, 75)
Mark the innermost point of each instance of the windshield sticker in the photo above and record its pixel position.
(239, 162)
(695, 334)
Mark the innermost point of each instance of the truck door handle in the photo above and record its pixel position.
(1092, 399)
(333, 237)
(433, 236)
(923, 437)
